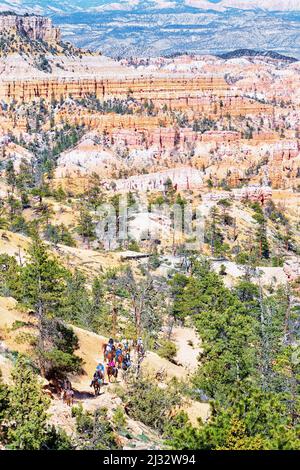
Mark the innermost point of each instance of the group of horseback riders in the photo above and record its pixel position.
(117, 356)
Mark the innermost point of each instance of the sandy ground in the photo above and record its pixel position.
(5, 366)
(89, 261)
(13, 244)
(265, 275)
(188, 347)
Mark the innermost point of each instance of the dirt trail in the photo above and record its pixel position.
(188, 347)
(90, 350)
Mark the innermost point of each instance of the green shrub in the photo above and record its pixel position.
(119, 419)
(150, 404)
(94, 432)
(167, 350)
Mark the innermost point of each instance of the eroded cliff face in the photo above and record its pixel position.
(178, 91)
(35, 27)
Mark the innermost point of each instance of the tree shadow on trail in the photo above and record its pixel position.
(86, 395)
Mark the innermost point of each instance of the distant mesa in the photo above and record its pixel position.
(255, 53)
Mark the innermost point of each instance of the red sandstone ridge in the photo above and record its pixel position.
(164, 91)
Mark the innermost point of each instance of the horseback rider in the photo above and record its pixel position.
(94, 379)
(108, 350)
(112, 364)
(140, 346)
(98, 374)
(67, 385)
(110, 347)
(100, 368)
(118, 351)
(126, 361)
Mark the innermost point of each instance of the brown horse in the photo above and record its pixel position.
(108, 355)
(119, 360)
(97, 382)
(68, 396)
(112, 372)
(104, 350)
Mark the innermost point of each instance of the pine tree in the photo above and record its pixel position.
(247, 366)
(77, 305)
(43, 286)
(11, 177)
(9, 277)
(27, 416)
(261, 233)
(86, 226)
(3, 399)
(3, 220)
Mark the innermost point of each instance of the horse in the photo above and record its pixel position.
(96, 383)
(112, 372)
(140, 350)
(126, 347)
(109, 355)
(104, 349)
(119, 360)
(68, 396)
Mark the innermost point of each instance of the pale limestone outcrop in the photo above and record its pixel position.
(182, 179)
(35, 27)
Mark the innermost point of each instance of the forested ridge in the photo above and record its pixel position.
(248, 368)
